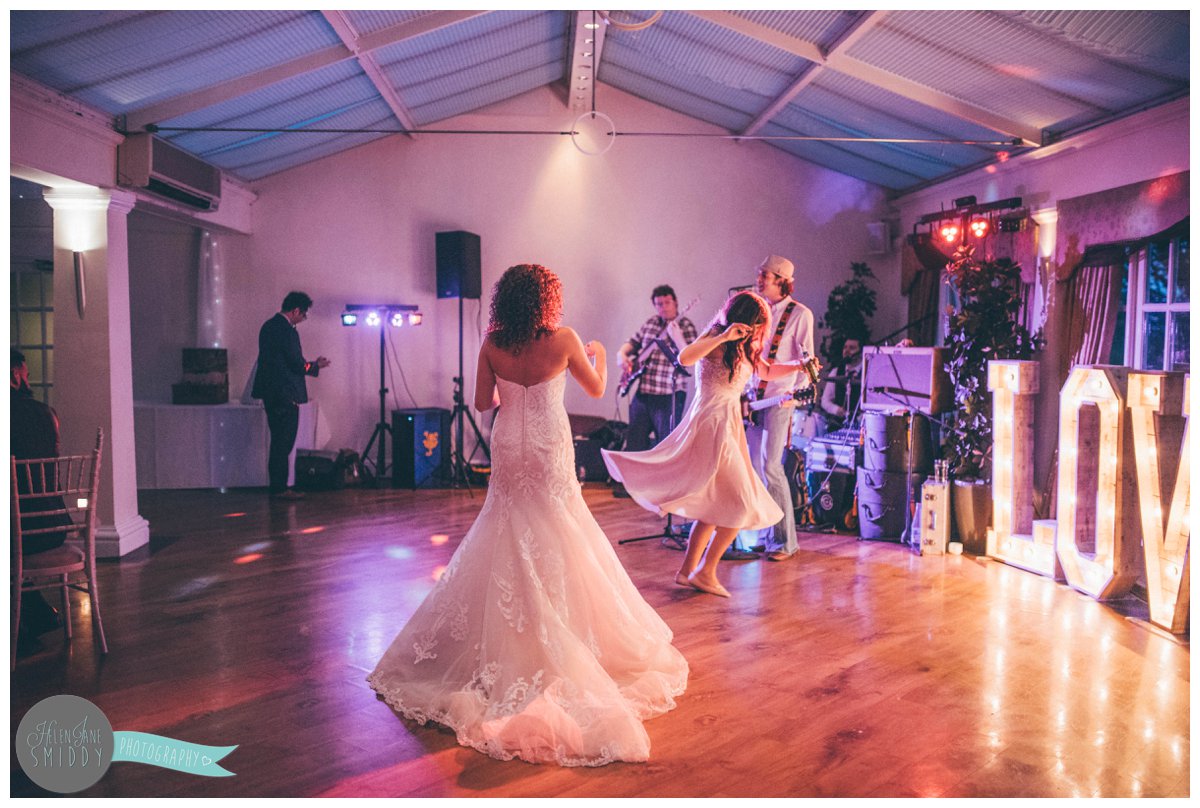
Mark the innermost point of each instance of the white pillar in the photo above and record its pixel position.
(93, 374)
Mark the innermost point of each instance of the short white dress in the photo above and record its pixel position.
(702, 469)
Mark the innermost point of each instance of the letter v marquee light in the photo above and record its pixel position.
(1159, 409)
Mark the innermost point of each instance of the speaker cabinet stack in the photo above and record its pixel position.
(421, 447)
(458, 265)
(880, 484)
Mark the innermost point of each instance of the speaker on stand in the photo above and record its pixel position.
(459, 275)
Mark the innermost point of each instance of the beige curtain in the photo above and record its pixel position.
(921, 265)
(1091, 303)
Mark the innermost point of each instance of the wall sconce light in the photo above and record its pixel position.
(80, 283)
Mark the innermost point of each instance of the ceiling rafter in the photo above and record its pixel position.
(865, 22)
(137, 120)
(339, 21)
(838, 60)
(578, 47)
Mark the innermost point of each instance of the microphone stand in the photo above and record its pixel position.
(668, 531)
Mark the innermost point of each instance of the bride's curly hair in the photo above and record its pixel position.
(744, 307)
(526, 304)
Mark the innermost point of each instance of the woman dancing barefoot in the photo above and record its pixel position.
(702, 470)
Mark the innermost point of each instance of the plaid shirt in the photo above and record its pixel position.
(661, 378)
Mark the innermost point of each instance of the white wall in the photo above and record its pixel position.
(698, 214)
(162, 302)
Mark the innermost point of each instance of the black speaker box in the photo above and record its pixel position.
(589, 463)
(458, 265)
(318, 471)
(420, 447)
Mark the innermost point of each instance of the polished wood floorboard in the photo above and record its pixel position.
(853, 669)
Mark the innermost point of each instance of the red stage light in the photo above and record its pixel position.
(979, 227)
(949, 233)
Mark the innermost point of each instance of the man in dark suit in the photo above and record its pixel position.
(279, 383)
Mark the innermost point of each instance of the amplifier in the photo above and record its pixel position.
(420, 447)
(831, 496)
(823, 455)
(906, 378)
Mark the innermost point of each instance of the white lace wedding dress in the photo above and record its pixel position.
(534, 643)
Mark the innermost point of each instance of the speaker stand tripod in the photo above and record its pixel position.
(460, 468)
(383, 430)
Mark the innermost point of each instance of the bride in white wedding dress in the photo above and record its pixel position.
(534, 643)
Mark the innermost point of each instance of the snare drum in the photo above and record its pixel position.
(804, 427)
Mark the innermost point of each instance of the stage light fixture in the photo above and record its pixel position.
(979, 227)
(374, 314)
(964, 202)
(949, 233)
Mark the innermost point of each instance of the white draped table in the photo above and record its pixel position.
(209, 446)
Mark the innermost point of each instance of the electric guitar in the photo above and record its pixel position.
(804, 395)
(638, 368)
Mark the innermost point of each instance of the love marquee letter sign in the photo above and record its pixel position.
(1124, 483)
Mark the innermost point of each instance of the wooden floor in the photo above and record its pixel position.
(854, 669)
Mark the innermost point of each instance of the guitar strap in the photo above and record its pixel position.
(783, 321)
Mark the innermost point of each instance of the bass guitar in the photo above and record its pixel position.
(639, 367)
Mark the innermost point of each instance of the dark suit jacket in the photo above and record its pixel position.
(34, 431)
(281, 365)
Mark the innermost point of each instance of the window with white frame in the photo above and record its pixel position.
(1153, 325)
(31, 308)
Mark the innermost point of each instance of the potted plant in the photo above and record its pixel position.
(849, 307)
(982, 328)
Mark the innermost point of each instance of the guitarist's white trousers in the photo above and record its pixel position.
(767, 444)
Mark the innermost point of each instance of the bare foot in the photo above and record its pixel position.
(712, 587)
(682, 580)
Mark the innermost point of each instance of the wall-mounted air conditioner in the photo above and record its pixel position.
(146, 161)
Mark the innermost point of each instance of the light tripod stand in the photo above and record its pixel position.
(383, 430)
(381, 316)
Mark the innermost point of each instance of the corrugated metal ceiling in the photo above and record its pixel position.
(935, 75)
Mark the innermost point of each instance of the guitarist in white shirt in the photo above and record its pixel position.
(660, 387)
(767, 442)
